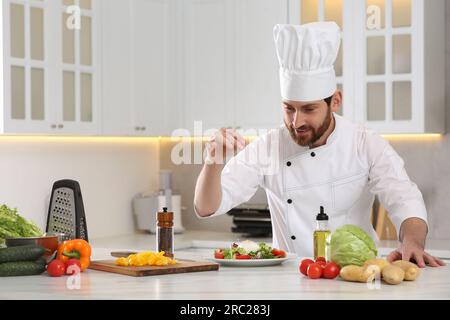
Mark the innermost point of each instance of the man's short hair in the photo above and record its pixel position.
(328, 100)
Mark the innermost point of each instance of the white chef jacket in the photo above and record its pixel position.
(343, 176)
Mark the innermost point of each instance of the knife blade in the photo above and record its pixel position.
(122, 254)
(125, 254)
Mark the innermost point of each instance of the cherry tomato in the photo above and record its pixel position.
(279, 253)
(73, 266)
(321, 259)
(304, 266)
(314, 271)
(331, 270)
(321, 263)
(56, 268)
(218, 254)
(243, 256)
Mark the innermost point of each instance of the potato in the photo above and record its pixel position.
(393, 274)
(351, 273)
(412, 271)
(381, 263)
(357, 274)
(371, 272)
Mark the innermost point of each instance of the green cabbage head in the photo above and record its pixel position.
(351, 245)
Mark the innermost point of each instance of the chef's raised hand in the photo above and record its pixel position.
(222, 145)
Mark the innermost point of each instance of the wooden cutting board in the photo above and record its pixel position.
(183, 266)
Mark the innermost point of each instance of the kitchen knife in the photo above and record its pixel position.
(122, 254)
(125, 254)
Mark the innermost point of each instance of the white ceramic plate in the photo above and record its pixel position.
(250, 262)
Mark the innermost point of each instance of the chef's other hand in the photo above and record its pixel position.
(412, 251)
(223, 144)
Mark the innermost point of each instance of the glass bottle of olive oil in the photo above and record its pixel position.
(322, 236)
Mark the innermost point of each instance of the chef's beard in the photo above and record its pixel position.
(313, 135)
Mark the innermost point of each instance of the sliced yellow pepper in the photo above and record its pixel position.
(146, 259)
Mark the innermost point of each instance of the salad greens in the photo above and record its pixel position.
(259, 251)
(12, 225)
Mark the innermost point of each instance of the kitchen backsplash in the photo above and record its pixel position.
(110, 172)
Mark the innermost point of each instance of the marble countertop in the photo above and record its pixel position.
(274, 283)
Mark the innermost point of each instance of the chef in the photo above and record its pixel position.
(317, 158)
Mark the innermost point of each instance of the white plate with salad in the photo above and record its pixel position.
(249, 254)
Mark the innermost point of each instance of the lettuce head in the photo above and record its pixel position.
(351, 245)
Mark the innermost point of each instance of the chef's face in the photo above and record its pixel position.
(307, 122)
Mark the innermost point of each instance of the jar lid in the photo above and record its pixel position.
(165, 216)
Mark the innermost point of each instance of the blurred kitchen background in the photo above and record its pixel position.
(93, 89)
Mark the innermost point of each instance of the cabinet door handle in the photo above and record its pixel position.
(53, 126)
(144, 128)
(137, 128)
(60, 126)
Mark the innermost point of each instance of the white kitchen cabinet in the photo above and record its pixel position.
(392, 61)
(152, 59)
(78, 104)
(148, 67)
(207, 31)
(412, 42)
(188, 62)
(50, 71)
(25, 70)
(230, 64)
(138, 63)
(257, 86)
(116, 65)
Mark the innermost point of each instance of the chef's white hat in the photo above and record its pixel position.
(306, 54)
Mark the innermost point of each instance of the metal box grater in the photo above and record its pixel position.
(66, 211)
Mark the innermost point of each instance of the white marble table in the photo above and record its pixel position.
(278, 282)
